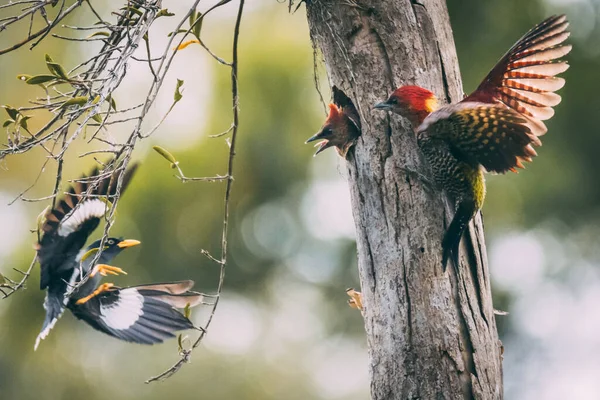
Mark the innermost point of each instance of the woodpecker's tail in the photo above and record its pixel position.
(465, 211)
(140, 314)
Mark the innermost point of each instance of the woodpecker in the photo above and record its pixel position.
(493, 129)
(66, 228)
(342, 126)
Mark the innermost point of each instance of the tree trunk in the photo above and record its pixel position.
(431, 335)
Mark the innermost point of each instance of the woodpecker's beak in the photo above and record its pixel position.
(128, 243)
(383, 106)
(314, 137)
(324, 143)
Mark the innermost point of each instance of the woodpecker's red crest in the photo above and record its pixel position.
(412, 102)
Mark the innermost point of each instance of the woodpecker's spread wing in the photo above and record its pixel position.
(140, 314)
(525, 77)
(494, 136)
(69, 224)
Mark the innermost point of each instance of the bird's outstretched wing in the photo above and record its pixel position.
(74, 217)
(140, 314)
(491, 135)
(524, 79)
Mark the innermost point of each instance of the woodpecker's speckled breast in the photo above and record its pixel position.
(461, 179)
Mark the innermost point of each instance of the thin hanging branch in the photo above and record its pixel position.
(186, 353)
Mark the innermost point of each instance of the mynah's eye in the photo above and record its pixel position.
(111, 242)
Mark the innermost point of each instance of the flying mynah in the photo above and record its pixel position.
(66, 228)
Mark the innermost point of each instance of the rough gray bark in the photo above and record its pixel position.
(431, 335)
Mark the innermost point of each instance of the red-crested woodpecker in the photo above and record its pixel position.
(342, 126)
(494, 128)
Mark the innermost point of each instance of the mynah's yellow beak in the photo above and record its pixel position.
(128, 243)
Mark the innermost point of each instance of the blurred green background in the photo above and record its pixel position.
(283, 330)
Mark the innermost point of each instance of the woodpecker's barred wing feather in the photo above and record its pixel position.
(141, 314)
(525, 77)
(491, 135)
(74, 217)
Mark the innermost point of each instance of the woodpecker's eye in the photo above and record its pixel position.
(393, 100)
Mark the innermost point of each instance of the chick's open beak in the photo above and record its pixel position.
(128, 243)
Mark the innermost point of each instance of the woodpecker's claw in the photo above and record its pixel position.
(102, 288)
(355, 299)
(104, 270)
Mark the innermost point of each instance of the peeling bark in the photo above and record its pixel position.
(431, 335)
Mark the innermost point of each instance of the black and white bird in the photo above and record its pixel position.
(144, 314)
(66, 228)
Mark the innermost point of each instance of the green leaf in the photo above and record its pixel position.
(23, 77)
(192, 17)
(164, 13)
(113, 103)
(180, 342)
(106, 201)
(187, 311)
(12, 112)
(75, 101)
(88, 253)
(39, 79)
(168, 156)
(8, 122)
(178, 95)
(198, 26)
(57, 70)
(48, 58)
(97, 118)
(175, 33)
(100, 33)
(23, 120)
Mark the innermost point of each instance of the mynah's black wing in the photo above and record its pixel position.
(139, 314)
(69, 224)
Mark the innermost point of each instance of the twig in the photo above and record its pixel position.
(186, 354)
